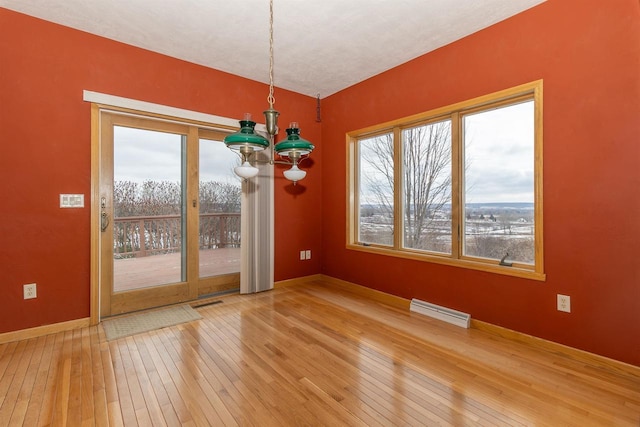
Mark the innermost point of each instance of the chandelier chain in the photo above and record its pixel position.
(271, 99)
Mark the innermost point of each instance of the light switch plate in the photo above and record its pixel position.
(72, 200)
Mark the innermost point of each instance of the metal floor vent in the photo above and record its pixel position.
(448, 315)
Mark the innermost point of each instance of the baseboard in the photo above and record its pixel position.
(379, 296)
(298, 281)
(554, 347)
(25, 334)
(571, 352)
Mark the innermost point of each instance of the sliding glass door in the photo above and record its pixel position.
(219, 192)
(167, 211)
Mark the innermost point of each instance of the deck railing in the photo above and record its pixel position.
(141, 236)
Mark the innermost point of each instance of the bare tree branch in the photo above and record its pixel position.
(426, 174)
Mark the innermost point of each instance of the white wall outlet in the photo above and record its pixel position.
(303, 255)
(308, 251)
(29, 291)
(564, 303)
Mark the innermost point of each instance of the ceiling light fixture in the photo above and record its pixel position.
(246, 141)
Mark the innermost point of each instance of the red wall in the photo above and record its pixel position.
(588, 53)
(45, 140)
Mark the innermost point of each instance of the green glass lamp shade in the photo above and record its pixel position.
(293, 144)
(246, 137)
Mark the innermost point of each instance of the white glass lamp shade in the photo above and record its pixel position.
(245, 170)
(294, 174)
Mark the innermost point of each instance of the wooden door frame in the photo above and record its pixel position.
(111, 302)
(217, 126)
(94, 275)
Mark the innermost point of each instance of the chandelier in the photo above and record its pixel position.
(246, 141)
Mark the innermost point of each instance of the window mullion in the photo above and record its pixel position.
(456, 186)
(398, 185)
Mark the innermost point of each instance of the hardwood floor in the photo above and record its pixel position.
(313, 354)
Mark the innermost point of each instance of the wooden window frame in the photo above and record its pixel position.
(455, 112)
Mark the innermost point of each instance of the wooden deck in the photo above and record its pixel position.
(313, 355)
(136, 273)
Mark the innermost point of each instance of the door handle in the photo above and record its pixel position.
(104, 217)
(104, 221)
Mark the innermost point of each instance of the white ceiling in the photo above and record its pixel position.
(320, 46)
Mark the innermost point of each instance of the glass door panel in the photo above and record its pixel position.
(149, 194)
(169, 213)
(219, 212)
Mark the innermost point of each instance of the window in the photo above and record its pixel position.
(426, 187)
(460, 185)
(376, 189)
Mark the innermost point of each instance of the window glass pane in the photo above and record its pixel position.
(148, 208)
(376, 190)
(499, 183)
(426, 175)
(219, 225)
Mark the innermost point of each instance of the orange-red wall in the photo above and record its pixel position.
(588, 53)
(45, 150)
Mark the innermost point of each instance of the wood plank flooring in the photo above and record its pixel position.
(313, 354)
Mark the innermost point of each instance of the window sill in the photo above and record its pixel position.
(462, 263)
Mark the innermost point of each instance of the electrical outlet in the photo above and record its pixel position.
(29, 291)
(308, 253)
(564, 303)
(303, 255)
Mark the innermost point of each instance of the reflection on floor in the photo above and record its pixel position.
(314, 354)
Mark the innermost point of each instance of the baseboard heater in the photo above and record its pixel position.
(448, 315)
